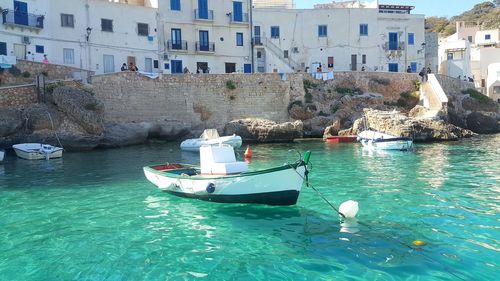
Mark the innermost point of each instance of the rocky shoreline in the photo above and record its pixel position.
(74, 118)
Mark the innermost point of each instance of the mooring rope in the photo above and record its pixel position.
(306, 179)
(55, 133)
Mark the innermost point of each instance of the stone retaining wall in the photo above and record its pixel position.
(195, 100)
(25, 95)
(52, 71)
(453, 85)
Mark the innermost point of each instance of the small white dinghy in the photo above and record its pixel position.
(220, 178)
(376, 140)
(36, 151)
(210, 137)
(2, 155)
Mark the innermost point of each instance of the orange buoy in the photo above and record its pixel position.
(248, 152)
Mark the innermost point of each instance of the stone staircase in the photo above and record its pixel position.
(434, 98)
(278, 52)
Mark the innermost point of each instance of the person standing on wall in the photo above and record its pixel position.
(45, 59)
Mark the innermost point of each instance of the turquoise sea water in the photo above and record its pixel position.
(93, 216)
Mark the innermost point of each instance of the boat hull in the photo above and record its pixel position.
(277, 186)
(339, 139)
(195, 144)
(388, 145)
(32, 151)
(2, 155)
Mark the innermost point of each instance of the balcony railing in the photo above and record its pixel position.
(395, 46)
(205, 47)
(10, 17)
(257, 40)
(242, 18)
(205, 15)
(180, 45)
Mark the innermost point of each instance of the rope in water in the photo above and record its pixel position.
(57, 137)
(306, 179)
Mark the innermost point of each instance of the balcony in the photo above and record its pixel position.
(180, 45)
(257, 41)
(23, 20)
(394, 46)
(204, 15)
(205, 47)
(239, 19)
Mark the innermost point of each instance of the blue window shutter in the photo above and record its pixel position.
(167, 66)
(239, 39)
(39, 49)
(393, 40)
(175, 5)
(411, 38)
(203, 9)
(363, 29)
(238, 11)
(413, 66)
(487, 37)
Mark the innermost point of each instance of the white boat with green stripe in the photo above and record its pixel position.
(220, 178)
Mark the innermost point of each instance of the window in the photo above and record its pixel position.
(107, 25)
(167, 66)
(176, 37)
(39, 49)
(175, 5)
(322, 31)
(449, 56)
(275, 32)
(413, 66)
(285, 54)
(143, 29)
(109, 63)
(203, 9)
(67, 20)
(330, 62)
(3, 48)
(363, 59)
(393, 67)
(68, 56)
(469, 38)
(176, 66)
(155, 64)
(238, 11)
(204, 42)
(411, 38)
(487, 37)
(393, 40)
(363, 29)
(239, 39)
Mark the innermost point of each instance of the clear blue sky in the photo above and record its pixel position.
(441, 8)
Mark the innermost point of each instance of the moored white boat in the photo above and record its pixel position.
(221, 178)
(2, 155)
(376, 140)
(210, 137)
(36, 151)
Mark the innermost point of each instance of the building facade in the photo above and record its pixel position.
(99, 35)
(205, 36)
(283, 4)
(385, 38)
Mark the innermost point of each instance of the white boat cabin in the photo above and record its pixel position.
(220, 160)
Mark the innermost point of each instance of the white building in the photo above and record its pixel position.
(285, 4)
(381, 38)
(207, 36)
(493, 81)
(99, 35)
(471, 52)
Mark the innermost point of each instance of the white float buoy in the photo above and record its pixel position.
(349, 208)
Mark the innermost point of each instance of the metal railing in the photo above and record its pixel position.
(205, 47)
(243, 18)
(180, 45)
(395, 46)
(201, 15)
(10, 17)
(278, 52)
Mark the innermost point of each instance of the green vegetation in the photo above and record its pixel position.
(49, 89)
(230, 85)
(380, 81)
(26, 74)
(482, 99)
(348, 91)
(308, 97)
(485, 14)
(321, 113)
(408, 99)
(417, 84)
(294, 103)
(308, 85)
(334, 109)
